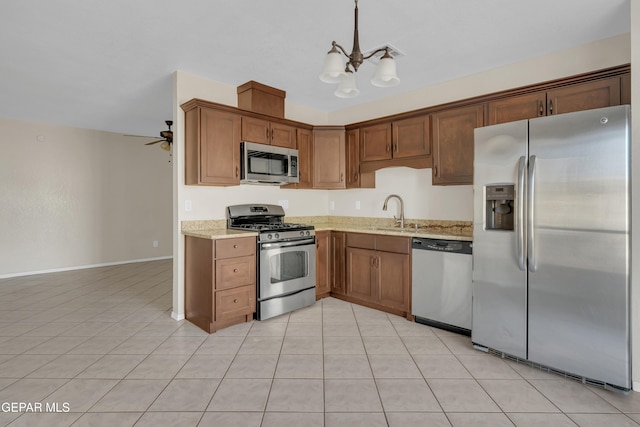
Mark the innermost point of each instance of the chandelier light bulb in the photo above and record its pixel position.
(347, 87)
(332, 71)
(385, 75)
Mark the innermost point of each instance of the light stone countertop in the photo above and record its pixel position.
(431, 229)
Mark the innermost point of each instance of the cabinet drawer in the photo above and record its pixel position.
(241, 246)
(401, 245)
(358, 240)
(235, 302)
(234, 272)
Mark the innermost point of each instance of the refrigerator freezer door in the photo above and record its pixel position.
(579, 286)
(499, 282)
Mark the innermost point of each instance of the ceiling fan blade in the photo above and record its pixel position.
(140, 136)
(154, 142)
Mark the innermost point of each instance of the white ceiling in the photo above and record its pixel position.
(108, 65)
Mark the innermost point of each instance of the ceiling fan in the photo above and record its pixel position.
(167, 137)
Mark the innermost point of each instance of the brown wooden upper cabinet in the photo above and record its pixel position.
(266, 132)
(453, 144)
(305, 158)
(399, 139)
(410, 137)
(212, 147)
(355, 178)
(329, 157)
(575, 97)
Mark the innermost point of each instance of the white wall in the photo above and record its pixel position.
(80, 198)
(421, 199)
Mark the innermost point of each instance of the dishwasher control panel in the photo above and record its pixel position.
(453, 246)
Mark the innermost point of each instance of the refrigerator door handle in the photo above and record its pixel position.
(531, 254)
(520, 241)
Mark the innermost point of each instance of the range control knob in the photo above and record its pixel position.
(277, 236)
(307, 233)
(302, 233)
(269, 236)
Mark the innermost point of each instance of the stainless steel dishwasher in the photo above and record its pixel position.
(441, 283)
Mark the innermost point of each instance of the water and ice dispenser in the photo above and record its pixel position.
(499, 207)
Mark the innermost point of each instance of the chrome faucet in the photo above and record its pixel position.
(384, 208)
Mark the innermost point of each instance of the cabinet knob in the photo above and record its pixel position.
(341, 177)
(395, 147)
(235, 270)
(550, 106)
(355, 177)
(235, 246)
(388, 148)
(541, 111)
(435, 170)
(237, 172)
(235, 301)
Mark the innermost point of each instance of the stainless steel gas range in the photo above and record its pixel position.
(286, 258)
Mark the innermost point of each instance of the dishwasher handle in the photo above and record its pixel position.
(440, 245)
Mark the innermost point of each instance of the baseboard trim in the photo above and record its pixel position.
(176, 316)
(81, 267)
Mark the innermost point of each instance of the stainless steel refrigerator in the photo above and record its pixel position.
(551, 242)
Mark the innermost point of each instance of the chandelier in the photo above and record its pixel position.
(333, 72)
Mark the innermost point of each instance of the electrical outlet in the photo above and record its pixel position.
(284, 203)
(155, 243)
(332, 205)
(357, 204)
(187, 205)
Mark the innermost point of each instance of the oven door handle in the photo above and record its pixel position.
(287, 244)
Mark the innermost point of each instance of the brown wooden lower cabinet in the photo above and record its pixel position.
(378, 272)
(338, 252)
(323, 264)
(330, 261)
(220, 281)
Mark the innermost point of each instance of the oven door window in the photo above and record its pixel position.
(288, 266)
(268, 164)
(286, 270)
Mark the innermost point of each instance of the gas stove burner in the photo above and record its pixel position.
(268, 221)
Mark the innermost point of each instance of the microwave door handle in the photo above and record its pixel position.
(520, 239)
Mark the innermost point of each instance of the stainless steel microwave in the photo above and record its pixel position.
(267, 164)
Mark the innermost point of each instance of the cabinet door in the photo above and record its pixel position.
(232, 303)
(360, 280)
(283, 135)
(453, 144)
(256, 130)
(219, 148)
(411, 137)
(393, 279)
(305, 159)
(375, 142)
(356, 179)
(323, 263)
(338, 262)
(584, 96)
(625, 89)
(353, 158)
(234, 272)
(329, 158)
(517, 108)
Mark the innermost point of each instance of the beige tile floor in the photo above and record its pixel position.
(100, 343)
